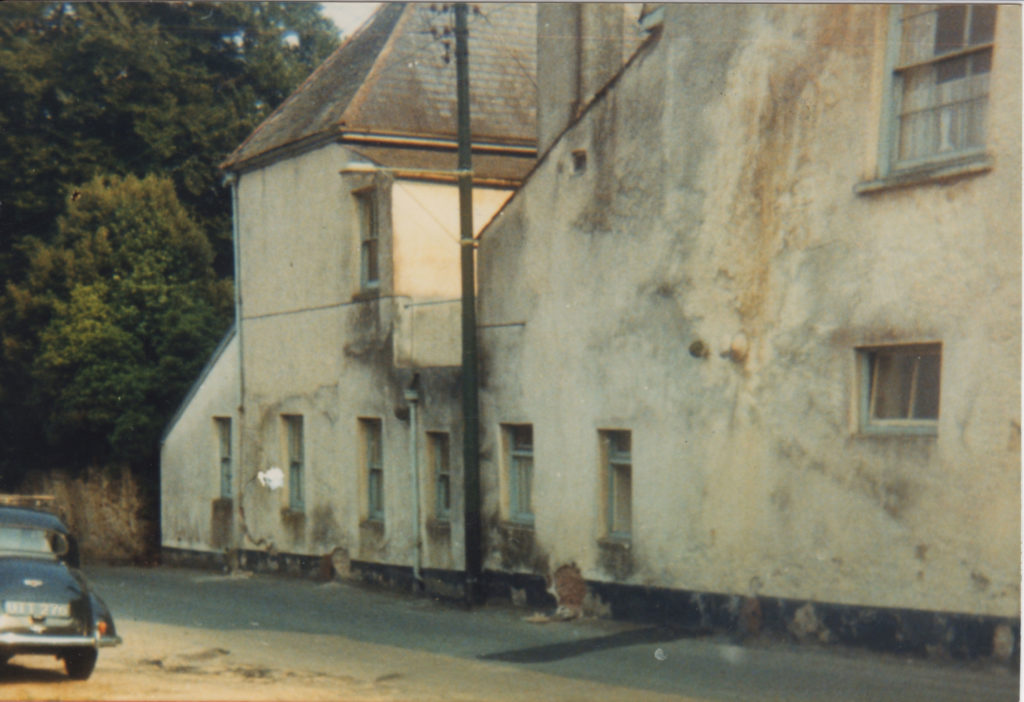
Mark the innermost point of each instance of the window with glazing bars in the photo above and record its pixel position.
(296, 460)
(223, 425)
(369, 235)
(374, 467)
(519, 461)
(441, 471)
(618, 470)
(941, 81)
(901, 387)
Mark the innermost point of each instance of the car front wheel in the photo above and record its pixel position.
(80, 663)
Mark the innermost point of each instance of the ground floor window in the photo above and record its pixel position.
(616, 455)
(438, 447)
(900, 387)
(373, 467)
(518, 458)
(223, 429)
(296, 460)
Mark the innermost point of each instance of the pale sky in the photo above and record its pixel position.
(349, 15)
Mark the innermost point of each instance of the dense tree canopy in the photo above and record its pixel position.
(115, 246)
(172, 88)
(133, 308)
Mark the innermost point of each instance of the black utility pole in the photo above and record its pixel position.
(470, 399)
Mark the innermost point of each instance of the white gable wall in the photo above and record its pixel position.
(190, 470)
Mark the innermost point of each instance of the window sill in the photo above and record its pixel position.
(912, 431)
(372, 525)
(928, 173)
(516, 525)
(366, 294)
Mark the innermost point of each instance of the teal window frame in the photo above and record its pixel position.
(369, 238)
(914, 361)
(519, 465)
(617, 456)
(371, 430)
(296, 450)
(896, 71)
(223, 430)
(441, 471)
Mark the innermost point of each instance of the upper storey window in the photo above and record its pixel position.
(941, 83)
(369, 232)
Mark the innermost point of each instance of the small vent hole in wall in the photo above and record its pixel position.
(579, 161)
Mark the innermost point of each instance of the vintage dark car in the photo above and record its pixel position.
(47, 607)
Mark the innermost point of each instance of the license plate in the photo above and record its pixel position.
(37, 609)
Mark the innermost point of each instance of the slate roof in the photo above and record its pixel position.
(396, 76)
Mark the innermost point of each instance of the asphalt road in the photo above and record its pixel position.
(303, 624)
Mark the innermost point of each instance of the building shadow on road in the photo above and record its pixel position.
(579, 647)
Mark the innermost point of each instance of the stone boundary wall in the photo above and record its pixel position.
(105, 510)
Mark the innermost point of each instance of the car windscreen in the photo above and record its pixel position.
(26, 540)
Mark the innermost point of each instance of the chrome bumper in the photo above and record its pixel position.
(62, 641)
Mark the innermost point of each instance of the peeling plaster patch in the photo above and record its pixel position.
(750, 617)
(1003, 642)
(569, 589)
(806, 626)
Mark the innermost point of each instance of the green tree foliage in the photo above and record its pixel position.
(134, 308)
(119, 88)
(107, 313)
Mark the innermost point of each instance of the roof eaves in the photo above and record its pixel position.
(282, 151)
(327, 64)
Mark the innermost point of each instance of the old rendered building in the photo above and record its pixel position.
(342, 367)
(749, 326)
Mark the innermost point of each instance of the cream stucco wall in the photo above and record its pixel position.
(190, 471)
(718, 200)
(314, 343)
(426, 267)
(318, 346)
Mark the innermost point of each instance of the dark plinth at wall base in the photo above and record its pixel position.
(293, 564)
(200, 560)
(441, 584)
(892, 630)
(881, 629)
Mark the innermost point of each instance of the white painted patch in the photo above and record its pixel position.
(273, 478)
